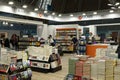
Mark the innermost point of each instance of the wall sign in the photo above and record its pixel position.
(40, 14)
(80, 17)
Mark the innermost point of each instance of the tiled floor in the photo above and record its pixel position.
(59, 75)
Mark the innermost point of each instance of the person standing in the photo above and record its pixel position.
(7, 43)
(118, 50)
(14, 41)
(51, 41)
(4, 42)
(75, 41)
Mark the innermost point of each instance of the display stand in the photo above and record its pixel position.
(14, 68)
(45, 66)
(12, 72)
(44, 59)
(87, 68)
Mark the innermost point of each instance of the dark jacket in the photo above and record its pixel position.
(7, 43)
(118, 51)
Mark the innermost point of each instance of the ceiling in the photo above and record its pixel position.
(67, 6)
(70, 6)
(18, 3)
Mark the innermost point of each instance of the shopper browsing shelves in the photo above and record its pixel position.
(51, 41)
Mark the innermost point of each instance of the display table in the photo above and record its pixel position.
(44, 59)
(91, 49)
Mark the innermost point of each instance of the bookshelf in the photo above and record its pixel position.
(64, 38)
(26, 41)
(13, 67)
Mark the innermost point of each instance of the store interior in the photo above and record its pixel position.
(27, 32)
(68, 46)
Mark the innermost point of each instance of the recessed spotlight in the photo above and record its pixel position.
(25, 6)
(110, 4)
(45, 11)
(118, 7)
(36, 9)
(71, 14)
(53, 13)
(11, 24)
(60, 15)
(10, 2)
(83, 14)
(111, 11)
(113, 8)
(4, 22)
(94, 12)
(117, 3)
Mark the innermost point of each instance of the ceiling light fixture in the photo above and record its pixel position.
(111, 11)
(71, 15)
(118, 7)
(10, 2)
(36, 9)
(117, 3)
(94, 12)
(25, 6)
(4, 22)
(11, 25)
(60, 15)
(83, 14)
(53, 13)
(110, 4)
(45, 11)
(113, 8)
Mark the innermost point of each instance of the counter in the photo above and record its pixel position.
(91, 49)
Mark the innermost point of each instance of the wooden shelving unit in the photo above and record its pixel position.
(25, 42)
(64, 38)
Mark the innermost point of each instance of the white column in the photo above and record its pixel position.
(45, 31)
(52, 30)
(42, 31)
(39, 30)
(92, 29)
